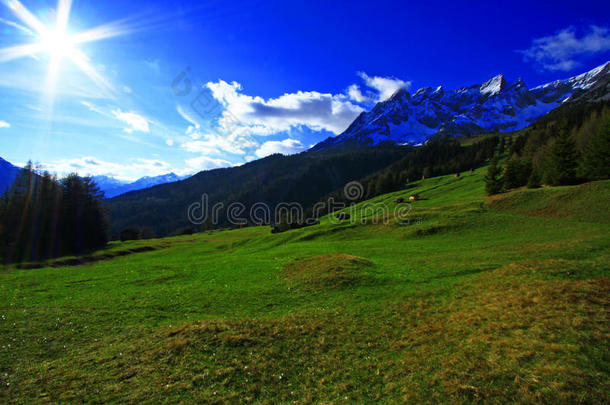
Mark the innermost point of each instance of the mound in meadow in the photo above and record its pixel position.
(331, 270)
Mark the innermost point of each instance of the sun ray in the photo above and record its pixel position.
(17, 25)
(48, 100)
(58, 44)
(103, 32)
(81, 60)
(63, 15)
(27, 17)
(20, 51)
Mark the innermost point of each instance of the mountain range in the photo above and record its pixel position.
(494, 106)
(113, 187)
(110, 186)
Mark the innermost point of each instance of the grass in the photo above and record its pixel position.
(462, 298)
(587, 202)
(328, 271)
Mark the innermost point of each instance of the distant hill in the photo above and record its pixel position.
(113, 187)
(303, 178)
(7, 174)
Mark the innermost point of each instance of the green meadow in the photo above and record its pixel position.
(461, 298)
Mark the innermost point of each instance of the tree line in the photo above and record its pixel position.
(569, 150)
(435, 158)
(42, 217)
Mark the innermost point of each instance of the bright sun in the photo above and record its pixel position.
(58, 44)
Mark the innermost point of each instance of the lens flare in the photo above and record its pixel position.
(58, 44)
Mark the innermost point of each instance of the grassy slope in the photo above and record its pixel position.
(469, 299)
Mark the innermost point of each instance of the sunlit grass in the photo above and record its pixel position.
(471, 299)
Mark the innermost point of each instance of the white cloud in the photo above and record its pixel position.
(355, 94)
(385, 86)
(4, 124)
(240, 118)
(94, 108)
(254, 115)
(127, 89)
(204, 147)
(134, 121)
(193, 132)
(561, 51)
(32, 107)
(187, 115)
(286, 147)
(205, 163)
(169, 142)
(92, 166)
(213, 144)
(132, 169)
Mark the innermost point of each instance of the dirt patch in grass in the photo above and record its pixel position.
(333, 270)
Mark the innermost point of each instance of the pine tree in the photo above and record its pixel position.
(509, 145)
(385, 183)
(512, 174)
(501, 146)
(494, 182)
(533, 180)
(596, 158)
(562, 161)
(41, 217)
(517, 172)
(370, 189)
(84, 222)
(427, 172)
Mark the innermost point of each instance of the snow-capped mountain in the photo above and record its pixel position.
(113, 187)
(109, 185)
(494, 106)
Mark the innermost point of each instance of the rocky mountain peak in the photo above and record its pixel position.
(493, 86)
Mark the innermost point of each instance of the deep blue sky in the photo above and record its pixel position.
(271, 48)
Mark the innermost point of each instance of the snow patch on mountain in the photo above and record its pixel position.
(493, 86)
